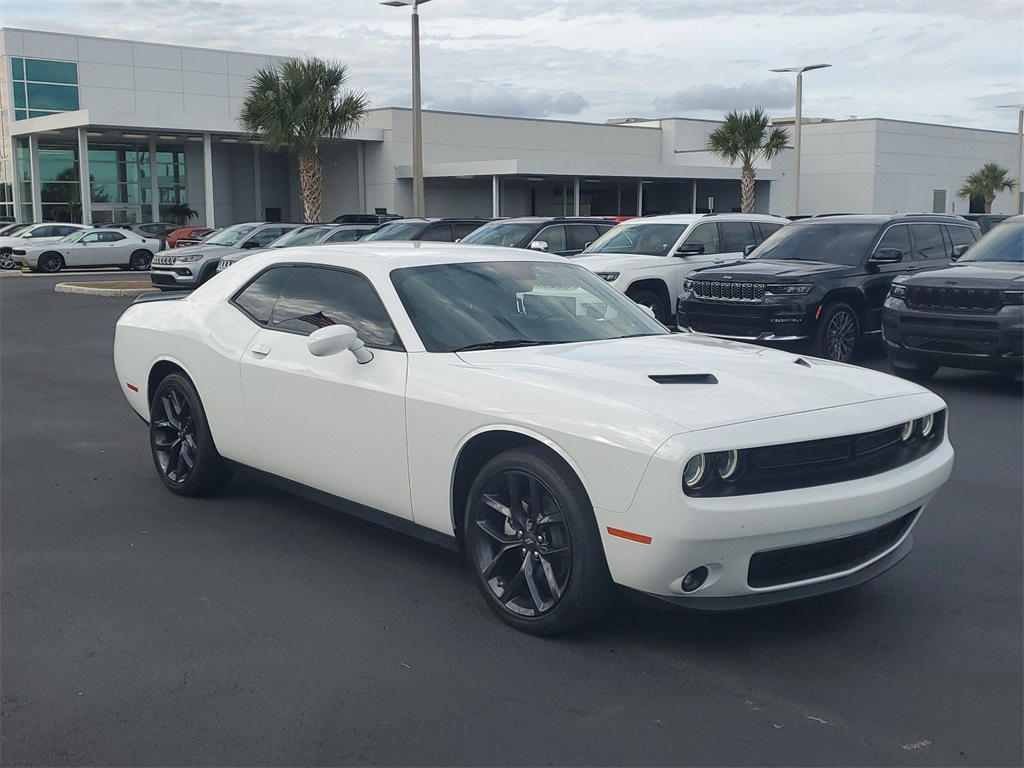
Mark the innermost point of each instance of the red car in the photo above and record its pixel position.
(190, 233)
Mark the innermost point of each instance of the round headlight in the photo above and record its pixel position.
(928, 425)
(728, 465)
(908, 432)
(695, 470)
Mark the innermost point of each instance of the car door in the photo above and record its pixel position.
(880, 276)
(87, 251)
(330, 422)
(119, 247)
(931, 249)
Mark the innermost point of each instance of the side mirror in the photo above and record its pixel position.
(748, 249)
(338, 338)
(886, 256)
(539, 245)
(690, 249)
(959, 250)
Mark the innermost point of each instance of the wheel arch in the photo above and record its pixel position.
(480, 448)
(160, 370)
(655, 285)
(854, 298)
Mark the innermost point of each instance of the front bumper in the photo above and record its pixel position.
(23, 259)
(959, 339)
(772, 547)
(775, 320)
(173, 277)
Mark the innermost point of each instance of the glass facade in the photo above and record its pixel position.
(43, 87)
(6, 148)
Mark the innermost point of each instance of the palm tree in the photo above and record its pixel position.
(747, 137)
(992, 178)
(295, 105)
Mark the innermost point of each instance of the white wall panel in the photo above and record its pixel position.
(105, 51)
(196, 60)
(157, 56)
(159, 103)
(107, 99)
(149, 79)
(105, 76)
(205, 83)
(39, 45)
(197, 104)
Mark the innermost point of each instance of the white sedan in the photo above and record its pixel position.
(90, 248)
(516, 406)
(33, 234)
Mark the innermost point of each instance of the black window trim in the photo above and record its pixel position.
(397, 346)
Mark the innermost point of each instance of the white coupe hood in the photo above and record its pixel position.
(735, 382)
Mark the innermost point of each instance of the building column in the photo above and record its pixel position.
(495, 197)
(208, 179)
(361, 176)
(693, 206)
(576, 196)
(33, 167)
(640, 197)
(257, 177)
(84, 179)
(154, 183)
(618, 198)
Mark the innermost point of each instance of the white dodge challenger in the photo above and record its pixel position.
(517, 407)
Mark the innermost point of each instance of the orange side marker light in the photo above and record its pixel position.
(629, 535)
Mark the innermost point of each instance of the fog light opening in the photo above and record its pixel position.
(695, 579)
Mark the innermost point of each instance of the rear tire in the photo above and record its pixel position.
(533, 545)
(50, 262)
(184, 453)
(838, 333)
(140, 260)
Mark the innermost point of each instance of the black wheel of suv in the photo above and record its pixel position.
(838, 333)
(50, 262)
(7, 261)
(913, 371)
(140, 260)
(533, 545)
(652, 301)
(179, 434)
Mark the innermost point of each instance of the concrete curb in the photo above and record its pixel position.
(123, 288)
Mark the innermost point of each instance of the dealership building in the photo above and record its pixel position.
(101, 130)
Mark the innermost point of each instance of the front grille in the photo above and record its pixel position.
(160, 279)
(963, 299)
(166, 260)
(950, 346)
(724, 327)
(808, 561)
(224, 264)
(728, 291)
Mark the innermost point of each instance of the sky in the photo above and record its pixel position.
(951, 62)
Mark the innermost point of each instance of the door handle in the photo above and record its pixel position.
(261, 349)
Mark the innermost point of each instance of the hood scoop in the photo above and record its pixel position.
(684, 378)
(801, 361)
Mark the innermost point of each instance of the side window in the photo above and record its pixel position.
(707, 235)
(602, 228)
(43, 232)
(896, 237)
(438, 233)
(578, 235)
(736, 235)
(767, 230)
(315, 297)
(267, 236)
(65, 230)
(344, 236)
(94, 237)
(110, 237)
(928, 242)
(962, 235)
(257, 299)
(554, 236)
(461, 230)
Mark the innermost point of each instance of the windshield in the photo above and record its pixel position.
(457, 307)
(303, 236)
(1004, 243)
(646, 238)
(406, 230)
(74, 237)
(230, 235)
(506, 233)
(845, 243)
(13, 229)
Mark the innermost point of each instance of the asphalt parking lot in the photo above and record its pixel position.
(254, 628)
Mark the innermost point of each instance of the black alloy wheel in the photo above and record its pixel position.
(7, 261)
(532, 543)
(50, 262)
(838, 334)
(183, 450)
(140, 260)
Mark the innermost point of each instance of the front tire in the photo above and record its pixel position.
(533, 545)
(185, 456)
(7, 261)
(50, 262)
(652, 301)
(838, 333)
(140, 260)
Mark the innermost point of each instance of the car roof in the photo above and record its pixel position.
(883, 218)
(552, 219)
(692, 218)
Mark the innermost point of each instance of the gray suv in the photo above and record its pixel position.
(187, 268)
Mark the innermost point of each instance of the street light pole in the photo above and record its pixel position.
(1020, 147)
(417, 110)
(797, 126)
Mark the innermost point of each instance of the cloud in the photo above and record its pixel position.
(771, 95)
(487, 100)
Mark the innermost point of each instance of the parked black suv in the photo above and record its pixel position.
(563, 236)
(365, 218)
(970, 315)
(433, 230)
(822, 279)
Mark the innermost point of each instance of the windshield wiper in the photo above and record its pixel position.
(504, 344)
